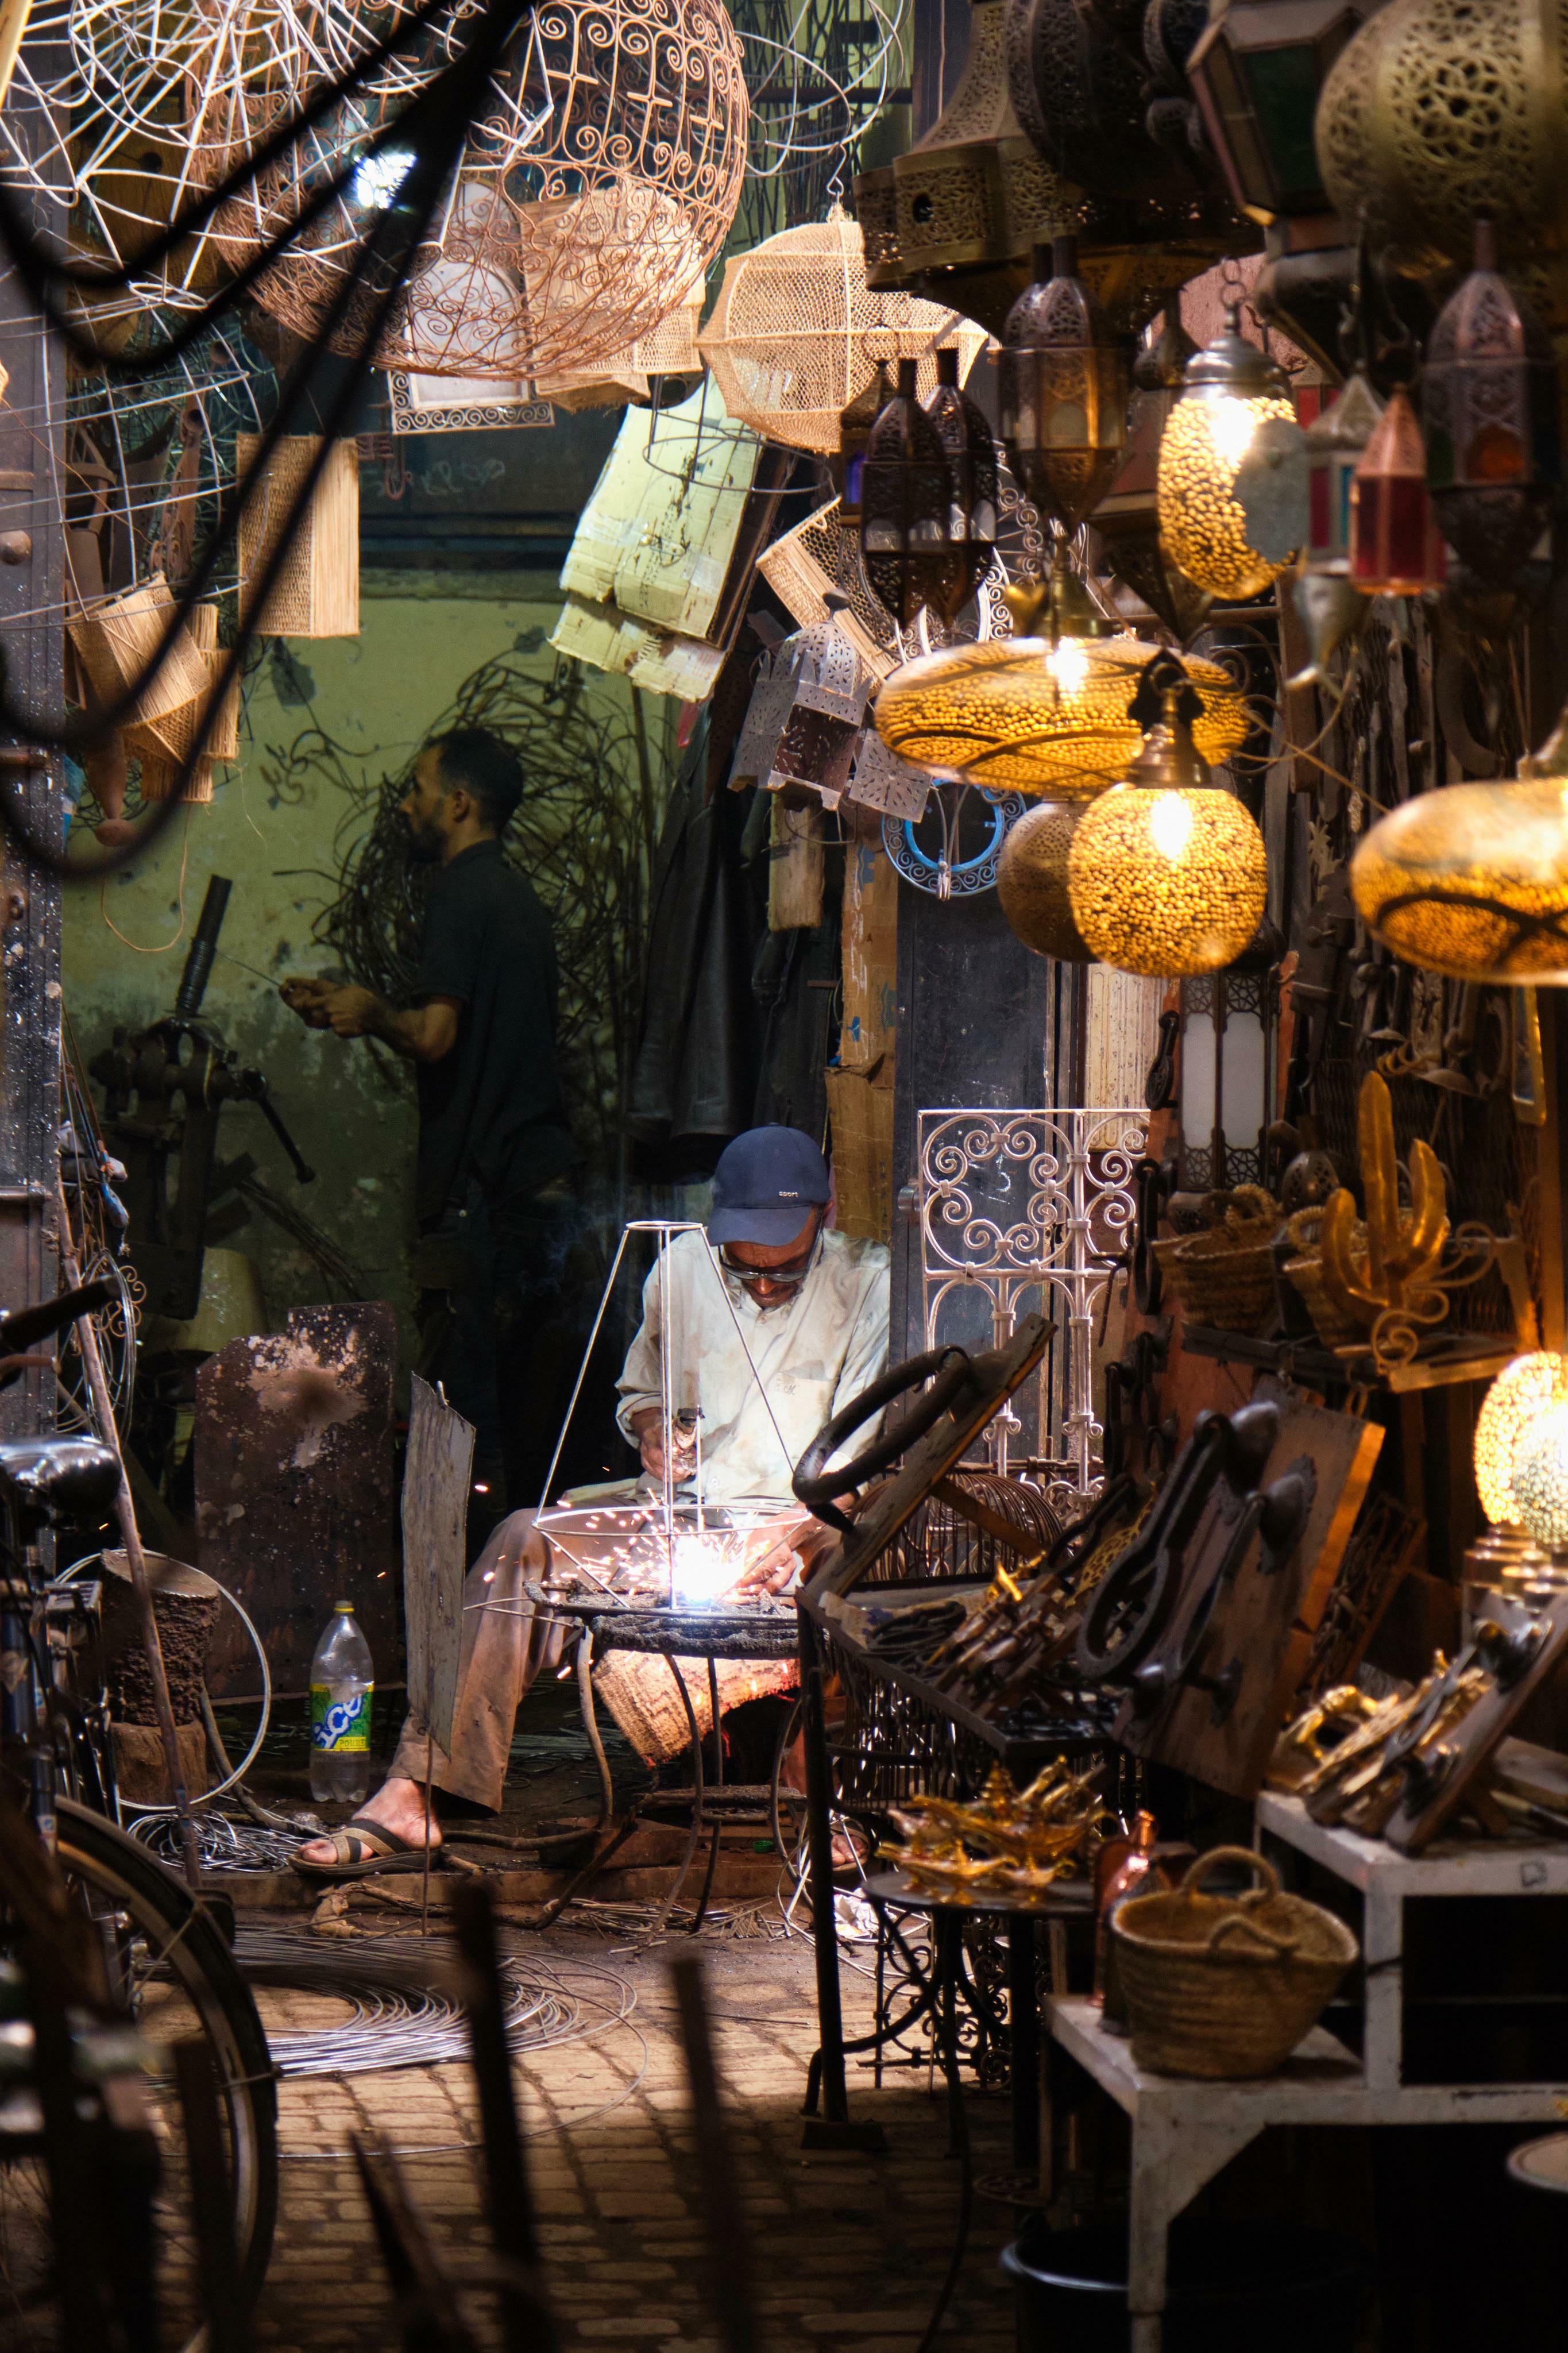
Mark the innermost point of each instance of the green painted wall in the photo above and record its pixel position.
(375, 695)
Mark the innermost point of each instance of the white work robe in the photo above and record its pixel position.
(811, 1355)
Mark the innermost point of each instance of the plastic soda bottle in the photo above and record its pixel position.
(342, 1687)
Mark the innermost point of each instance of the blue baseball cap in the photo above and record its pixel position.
(764, 1187)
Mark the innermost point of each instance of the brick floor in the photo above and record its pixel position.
(849, 2251)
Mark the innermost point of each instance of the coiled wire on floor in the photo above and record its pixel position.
(406, 2012)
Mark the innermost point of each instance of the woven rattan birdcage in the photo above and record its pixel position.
(797, 332)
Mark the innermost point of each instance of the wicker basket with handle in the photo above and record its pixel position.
(1226, 1986)
(1225, 1277)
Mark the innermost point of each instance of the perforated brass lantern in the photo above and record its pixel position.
(972, 468)
(1488, 400)
(1167, 871)
(1441, 110)
(1230, 435)
(1063, 388)
(1472, 879)
(1023, 715)
(1396, 548)
(1257, 72)
(957, 218)
(855, 419)
(1517, 1401)
(802, 727)
(1032, 882)
(905, 502)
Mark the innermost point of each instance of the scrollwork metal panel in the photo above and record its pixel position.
(1025, 1211)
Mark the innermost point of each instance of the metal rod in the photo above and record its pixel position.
(820, 1832)
(212, 2200)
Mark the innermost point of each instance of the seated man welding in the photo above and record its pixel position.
(797, 1328)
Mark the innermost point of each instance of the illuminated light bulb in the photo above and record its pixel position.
(1539, 1482)
(1170, 824)
(1068, 665)
(1514, 1407)
(1232, 485)
(1167, 873)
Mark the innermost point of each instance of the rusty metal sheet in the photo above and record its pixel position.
(294, 1488)
(435, 1479)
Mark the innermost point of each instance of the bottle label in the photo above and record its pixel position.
(342, 1725)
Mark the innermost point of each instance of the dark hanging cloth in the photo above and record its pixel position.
(694, 1071)
(797, 981)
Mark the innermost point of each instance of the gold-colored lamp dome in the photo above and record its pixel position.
(1517, 1402)
(1231, 445)
(1032, 881)
(1472, 879)
(1167, 873)
(1540, 1480)
(1021, 715)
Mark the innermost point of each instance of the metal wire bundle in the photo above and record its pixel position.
(223, 1844)
(403, 2016)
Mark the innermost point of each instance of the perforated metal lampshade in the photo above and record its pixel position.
(1023, 715)
(1167, 873)
(1521, 1395)
(1233, 427)
(972, 468)
(1063, 385)
(906, 505)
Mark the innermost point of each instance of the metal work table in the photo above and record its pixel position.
(673, 1633)
(1184, 2130)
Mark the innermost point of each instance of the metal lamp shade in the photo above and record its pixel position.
(1021, 714)
(1335, 444)
(970, 455)
(1231, 433)
(1489, 397)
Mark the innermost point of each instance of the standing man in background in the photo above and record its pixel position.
(492, 1189)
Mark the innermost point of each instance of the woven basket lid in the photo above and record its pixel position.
(797, 332)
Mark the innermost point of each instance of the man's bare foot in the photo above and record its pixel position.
(399, 1807)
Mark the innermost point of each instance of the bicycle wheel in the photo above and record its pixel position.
(180, 1979)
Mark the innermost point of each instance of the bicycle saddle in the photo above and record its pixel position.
(58, 1478)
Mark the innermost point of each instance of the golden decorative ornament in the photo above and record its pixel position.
(1027, 715)
(1032, 882)
(1541, 1481)
(1167, 873)
(1441, 110)
(1231, 433)
(1517, 1400)
(1472, 879)
(1387, 1284)
(797, 332)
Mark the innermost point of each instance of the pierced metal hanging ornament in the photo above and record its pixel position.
(1063, 385)
(1488, 400)
(972, 463)
(906, 499)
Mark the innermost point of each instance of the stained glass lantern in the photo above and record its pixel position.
(906, 505)
(1336, 443)
(1232, 485)
(1257, 70)
(1167, 873)
(1488, 399)
(855, 422)
(1063, 388)
(1523, 1393)
(1025, 714)
(1396, 548)
(972, 467)
(1032, 882)
(1472, 879)
(802, 727)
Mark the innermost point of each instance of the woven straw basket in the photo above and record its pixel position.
(1225, 1277)
(1222, 1987)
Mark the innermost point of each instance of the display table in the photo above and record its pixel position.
(1184, 2131)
